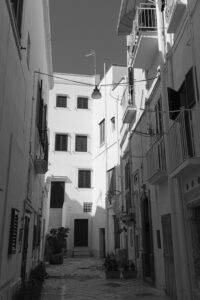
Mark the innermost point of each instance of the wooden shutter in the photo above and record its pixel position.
(174, 103)
(12, 246)
(81, 143)
(84, 179)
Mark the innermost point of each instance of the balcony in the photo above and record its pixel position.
(129, 109)
(183, 139)
(156, 163)
(173, 13)
(144, 46)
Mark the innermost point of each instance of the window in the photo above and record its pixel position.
(84, 179)
(81, 143)
(82, 102)
(61, 101)
(17, 8)
(28, 51)
(113, 123)
(87, 207)
(159, 119)
(111, 179)
(102, 131)
(57, 194)
(184, 97)
(61, 142)
(12, 246)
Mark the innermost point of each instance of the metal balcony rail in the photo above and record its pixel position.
(156, 158)
(184, 137)
(146, 17)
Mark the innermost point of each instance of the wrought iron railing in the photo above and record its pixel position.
(184, 138)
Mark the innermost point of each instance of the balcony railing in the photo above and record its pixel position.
(184, 142)
(156, 162)
(143, 42)
(174, 11)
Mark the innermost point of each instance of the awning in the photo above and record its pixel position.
(126, 15)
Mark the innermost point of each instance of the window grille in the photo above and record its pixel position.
(12, 246)
(82, 102)
(61, 101)
(87, 207)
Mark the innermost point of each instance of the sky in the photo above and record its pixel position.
(80, 25)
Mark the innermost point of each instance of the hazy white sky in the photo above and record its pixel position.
(80, 25)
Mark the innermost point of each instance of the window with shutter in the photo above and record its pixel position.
(57, 194)
(84, 179)
(111, 180)
(81, 143)
(12, 246)
(82, 102)
(61, 142)
(61, 101)
(174, 103)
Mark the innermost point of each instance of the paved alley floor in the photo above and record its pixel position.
(84, 279)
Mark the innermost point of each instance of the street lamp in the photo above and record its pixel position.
(96, 92)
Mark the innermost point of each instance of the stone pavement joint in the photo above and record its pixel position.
(84, 279)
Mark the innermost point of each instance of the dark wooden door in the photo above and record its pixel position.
(81, 233)
(170, 279)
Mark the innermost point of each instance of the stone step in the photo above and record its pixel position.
(81, 252)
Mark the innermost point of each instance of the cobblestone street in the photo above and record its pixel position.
(84, 279)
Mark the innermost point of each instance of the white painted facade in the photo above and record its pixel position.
(164, 148)
(65, 165)
(24, 51)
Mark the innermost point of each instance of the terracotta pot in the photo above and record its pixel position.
(56, 259)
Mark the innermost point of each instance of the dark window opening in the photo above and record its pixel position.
(61, 142)
(82, 102)
(61, 101)
(84, 178)
(12, 245)
(57, 194)
(81, 143)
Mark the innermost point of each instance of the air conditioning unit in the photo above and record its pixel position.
(41, 166)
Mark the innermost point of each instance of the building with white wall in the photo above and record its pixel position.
(25, 52)
(84, 137)
(163, 52)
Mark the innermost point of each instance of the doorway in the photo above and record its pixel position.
(81, 233)
(102, 246)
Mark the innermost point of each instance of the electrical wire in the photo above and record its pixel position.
(75, 82)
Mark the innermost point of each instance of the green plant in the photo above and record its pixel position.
(111, 263)
(57, 239)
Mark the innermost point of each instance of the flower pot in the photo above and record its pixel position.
(129, 274)
(112, 274)
(56, 259)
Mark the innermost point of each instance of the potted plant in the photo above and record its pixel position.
(56, 243)
(128, 269)
(111, 266)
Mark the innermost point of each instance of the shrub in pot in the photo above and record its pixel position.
(56, 244)
(111, 266)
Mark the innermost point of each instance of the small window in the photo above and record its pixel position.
(84, 179)
(102, 131)
(82, 102)
(113, 123)
(61, 142)
(61, 101)
(87, 207)
(81, 143)
(12, 246)
(57, 194)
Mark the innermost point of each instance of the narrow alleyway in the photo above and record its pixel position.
(84, 279)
